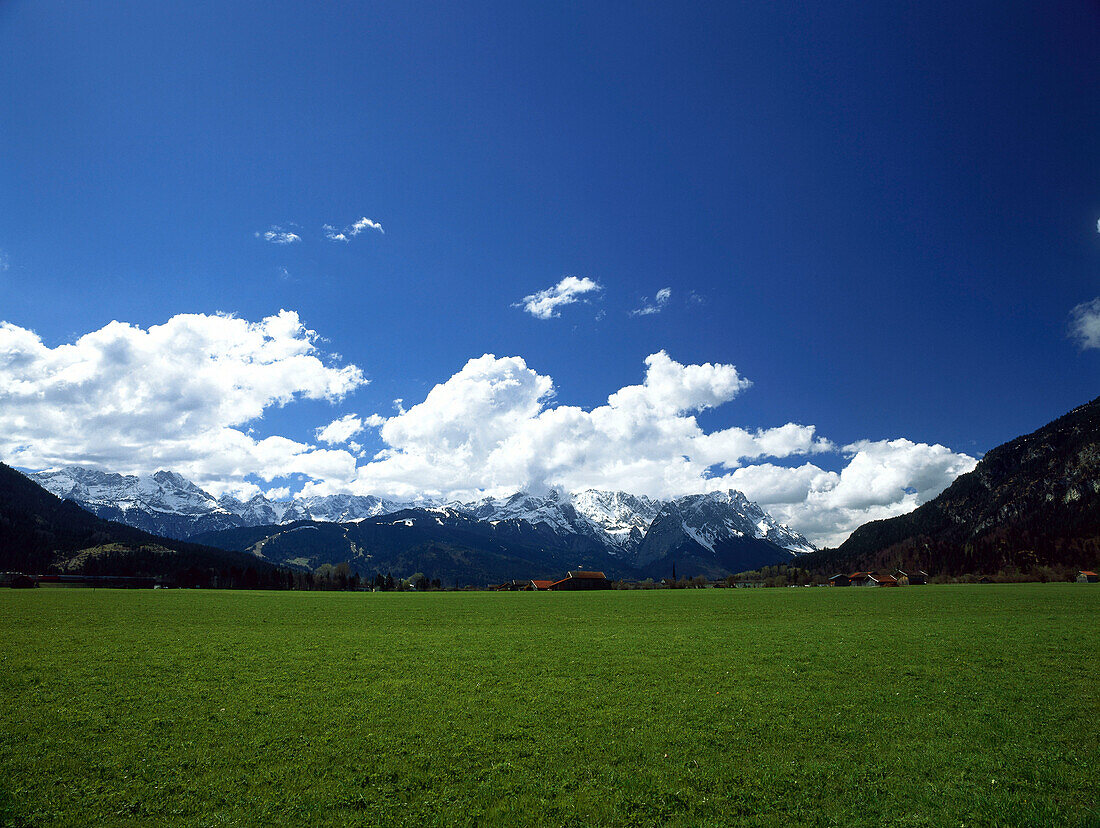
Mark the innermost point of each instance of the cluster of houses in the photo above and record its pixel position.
(881, 579)
(899, 578)
(578, 579)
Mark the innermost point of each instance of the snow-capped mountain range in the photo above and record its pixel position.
(633, 529)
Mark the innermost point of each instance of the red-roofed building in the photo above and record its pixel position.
(1086, 577)
(872, 579)
(582, 579)
(540, 585)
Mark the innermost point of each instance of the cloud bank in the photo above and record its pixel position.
(492, 428)
(546, 304)
(184, 395)
(176, 396)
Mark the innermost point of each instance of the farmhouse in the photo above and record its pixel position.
(917, 578)
(511, 586)
(871, 579)
(582, 579)
(1086, 577)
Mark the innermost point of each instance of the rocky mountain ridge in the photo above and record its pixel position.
(711, 529)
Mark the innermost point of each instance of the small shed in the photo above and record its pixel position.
(539, 585)
(1087, 577)
(882, 580)
(916, 578)
(582, 579)
(840, 580)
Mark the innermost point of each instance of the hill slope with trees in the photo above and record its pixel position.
(41, 533)
(1030, 503)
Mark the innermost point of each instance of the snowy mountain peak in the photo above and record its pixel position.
(161, 492)
(715, 516)
(625, 517)
(169, 504)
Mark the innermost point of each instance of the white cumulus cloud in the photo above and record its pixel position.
(341, 430)
(353, 230)
(277, 235)
(546, 304)
(655, 305)
(346, 427)
(177, 396)
(882, 479)
(491, 427)
(1084, 324)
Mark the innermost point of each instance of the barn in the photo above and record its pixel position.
(916, 578)
(582, 579)
(882, 580)
(1086, 577)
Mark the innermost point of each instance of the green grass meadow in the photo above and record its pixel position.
(921, 706)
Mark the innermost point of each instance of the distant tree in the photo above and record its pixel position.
(341, 575)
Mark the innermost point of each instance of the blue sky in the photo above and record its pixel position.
(883, 216)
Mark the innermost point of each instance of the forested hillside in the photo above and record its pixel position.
(1032, 502)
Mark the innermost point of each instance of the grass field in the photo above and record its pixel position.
(962, 705)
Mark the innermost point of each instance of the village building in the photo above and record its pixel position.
(582, 579)
(539, 585)
(916, 578)
(840, 579)
(872, 579)
(1087, 577)
(511, 586)
(882, 581)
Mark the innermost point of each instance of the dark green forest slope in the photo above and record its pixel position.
(1032, 502)
(41, 533)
